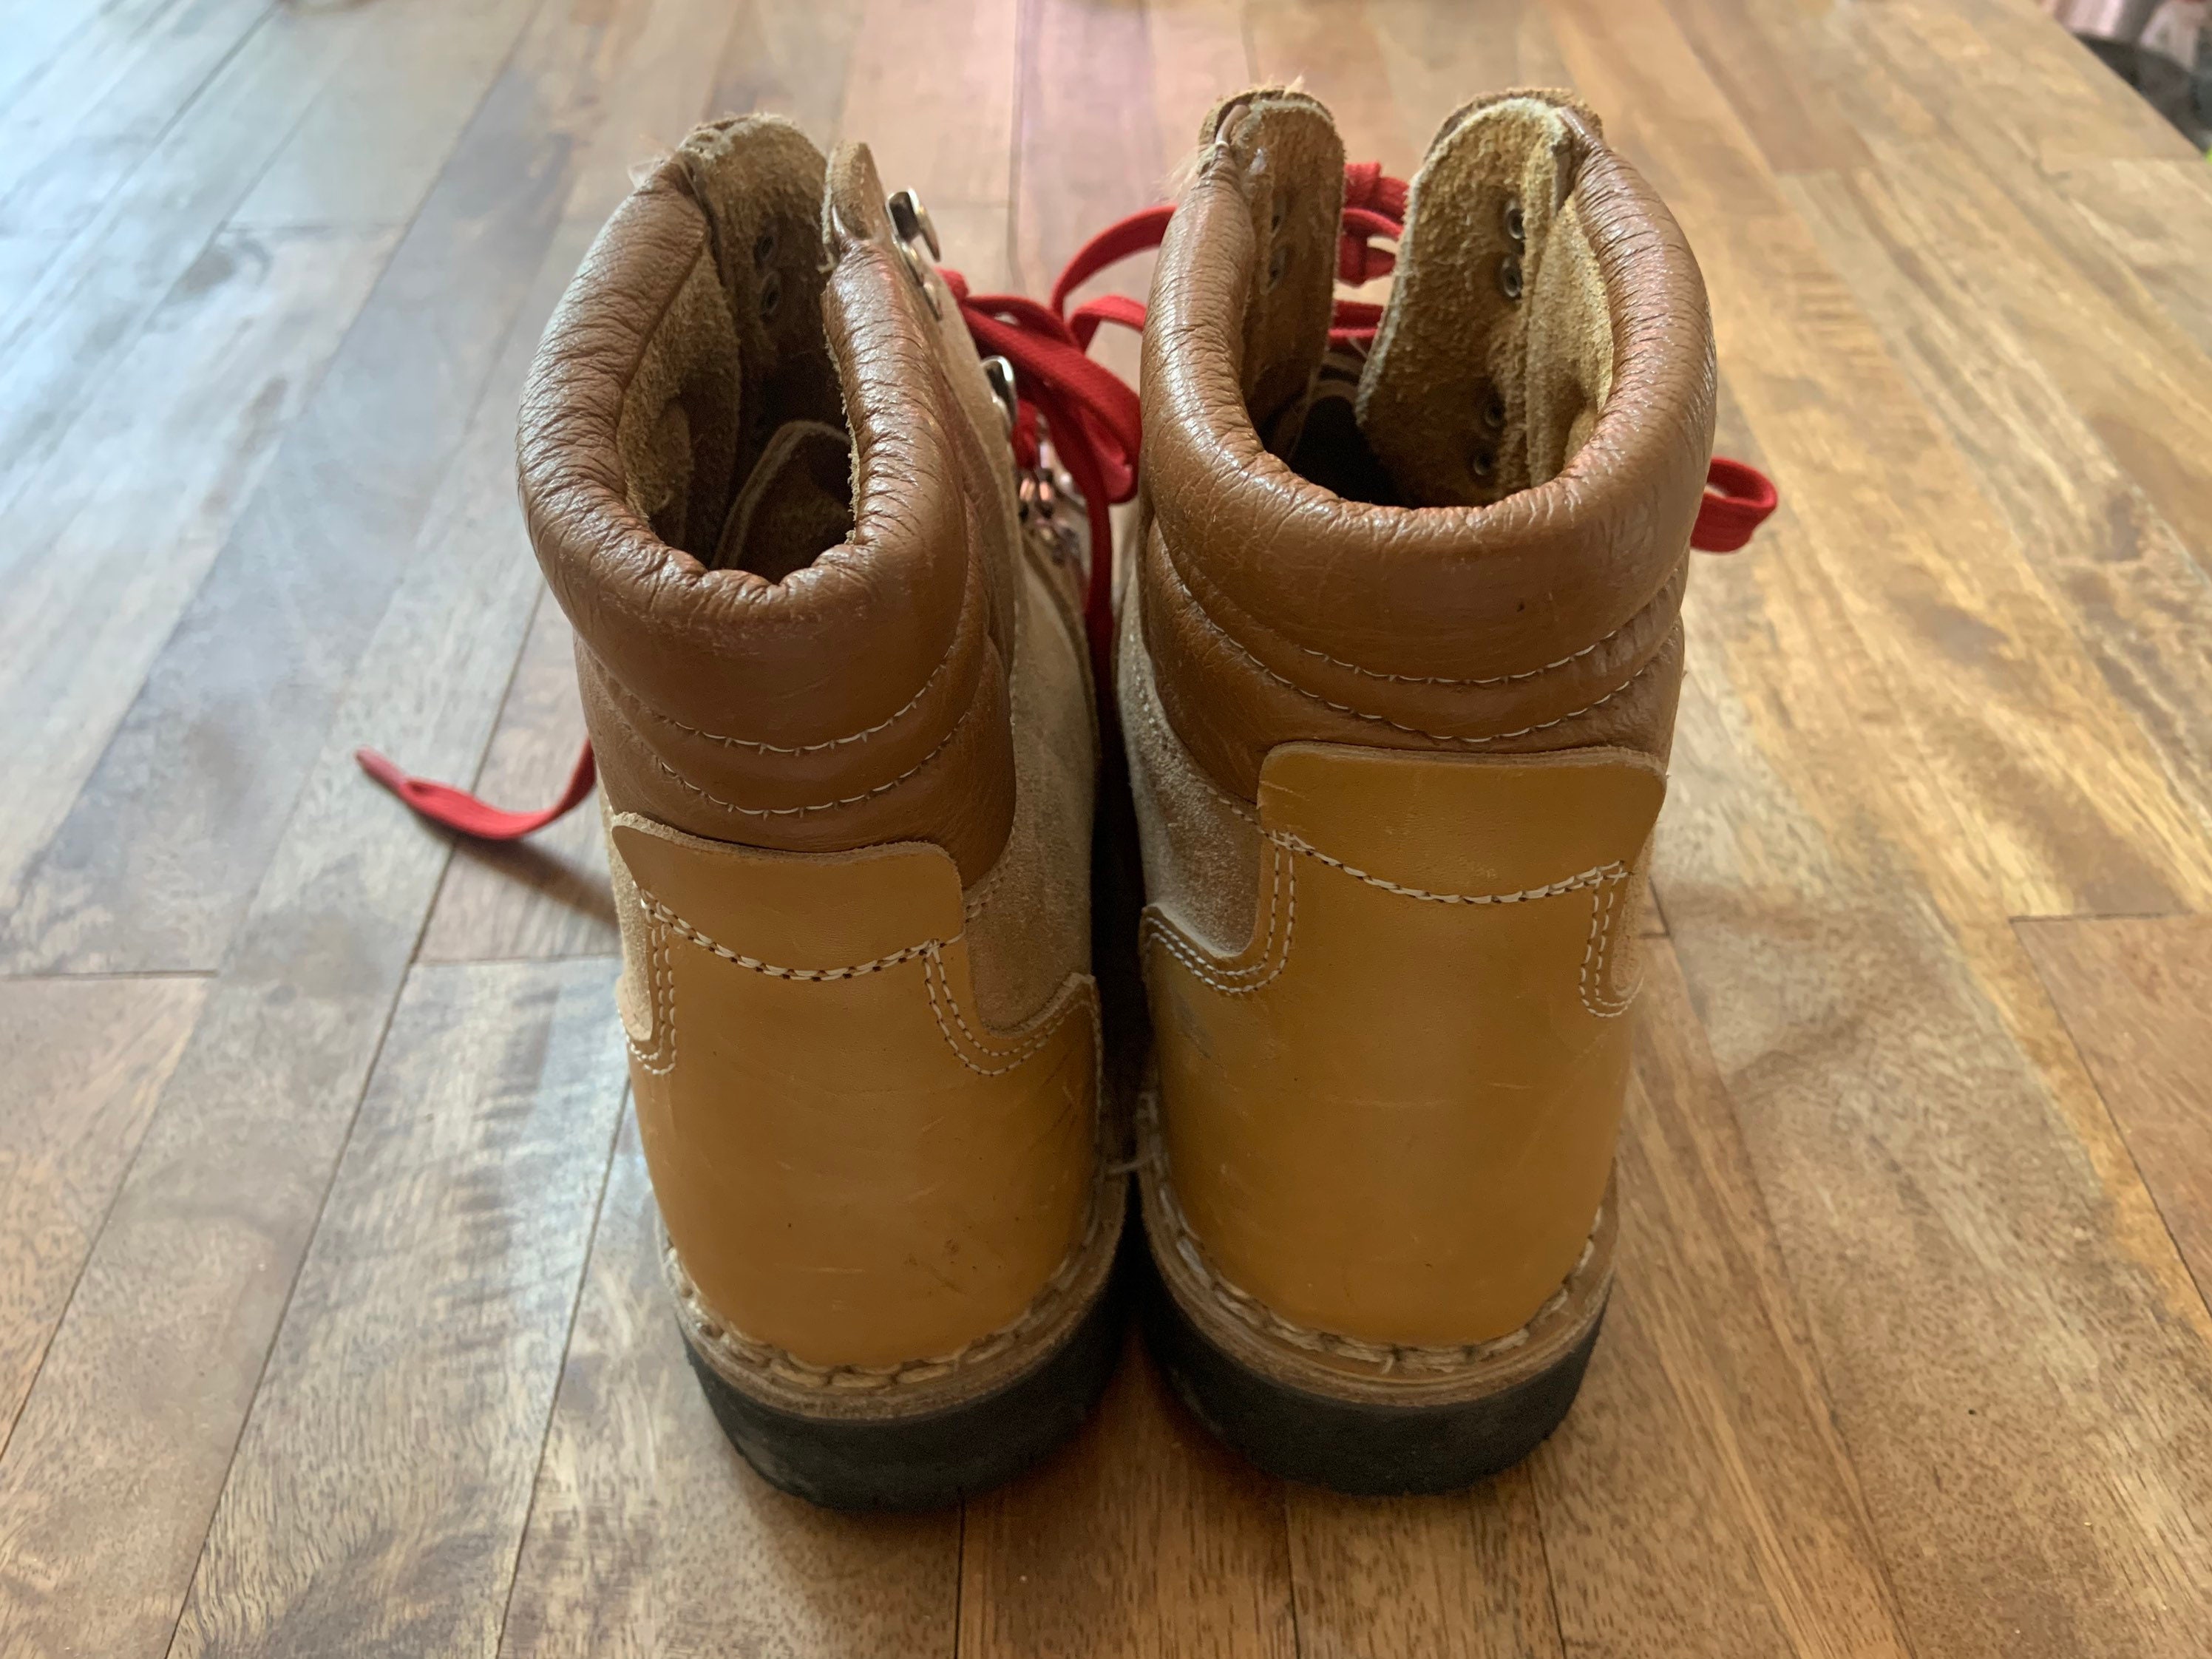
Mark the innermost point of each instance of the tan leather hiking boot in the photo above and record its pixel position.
(1398, 660)
(846, 740)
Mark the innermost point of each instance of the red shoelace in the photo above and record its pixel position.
(1092, 420)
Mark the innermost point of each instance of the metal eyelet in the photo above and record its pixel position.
(911, 219)
(1001, 374)
(910, 224)
(1483, 462)
(771, 293)
(1508, 277)
(764, 246)
(1279, 263)
(1517, 226)
(1493, 412)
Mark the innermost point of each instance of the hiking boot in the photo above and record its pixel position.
(1398, 666)
(836, 686)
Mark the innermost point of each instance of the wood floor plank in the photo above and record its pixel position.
(84, 122)
(1335, 52)
(1756, 56)
(1946, 288)
(87, 1059)
(162, 851)
(930, 88)
(115, 532)
(155, 1365)
(650, 1537)
(547, 896)
(90, 300)
(1981, 665)
(1144, 1536)
(791, 59)
(1439, 55)
(1459, 1577)
(2133, 991)
(426, 1328)
(1698, 1498)
(2152, 219)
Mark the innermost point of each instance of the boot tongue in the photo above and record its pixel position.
(1495, 352)
(797, 503)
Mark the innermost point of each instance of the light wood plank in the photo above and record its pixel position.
(155, 1365)
(259, 660)
(790, 60)
(73, 133)
(1698, 1499)
(547, 896)
(1144, 1536)
(649, 1535)
(87, 1059)
(117, 531)
(2133, 992)
(930, 88)
(426, 1328)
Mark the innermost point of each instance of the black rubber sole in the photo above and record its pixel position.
(1368, 1449)
(927, 1461)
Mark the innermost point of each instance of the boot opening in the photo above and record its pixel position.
(731, 435)
(1495, 352)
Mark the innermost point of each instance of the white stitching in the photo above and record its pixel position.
(904, 709)
(1269, 965)
(1237, 646)
(746, 1354)
(815, 806)
(1598, 875)
(934, 973)
(660, 976)
(1595, 996)
(1446, 679)
(668, 918)
(1389, 1357)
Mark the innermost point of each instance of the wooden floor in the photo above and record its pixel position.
(328, 1319)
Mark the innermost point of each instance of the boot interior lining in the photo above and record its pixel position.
(737, 361)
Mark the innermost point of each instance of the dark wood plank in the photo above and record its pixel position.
(547, 896)
(2133, 991)
(117, 530)
(87, 1059)
(426, 1328)
(1143, 1535)
(649, 1535)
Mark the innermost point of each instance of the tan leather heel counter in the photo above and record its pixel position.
(851, 1167)
(1392, 1115)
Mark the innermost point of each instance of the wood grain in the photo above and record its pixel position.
(1142, 1537)
(431, 1313)
(87, 1060)
(648, 1534)
(547, 896)
(2133, 991)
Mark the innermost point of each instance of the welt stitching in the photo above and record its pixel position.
(748, 1354)
(1389, 1357)
(1237, 646)
(862, 736)
(1595, 996)
(815, 806)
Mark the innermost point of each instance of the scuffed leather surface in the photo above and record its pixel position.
(853, 1166)
(1392, 1115)
(1276, 611)
(859, 700)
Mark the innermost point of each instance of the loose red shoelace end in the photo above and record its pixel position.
(456, 809)
(1738, 499)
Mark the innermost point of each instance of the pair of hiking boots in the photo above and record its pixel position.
(1391, 654)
